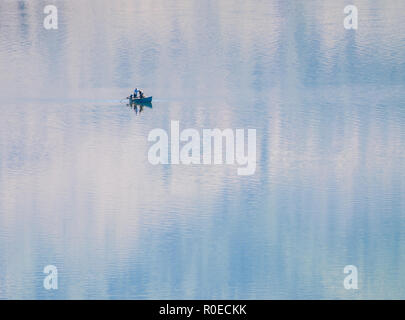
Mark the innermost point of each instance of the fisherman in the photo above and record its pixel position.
(141, 94)
(136, 92)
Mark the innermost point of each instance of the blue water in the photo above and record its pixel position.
(77, 190)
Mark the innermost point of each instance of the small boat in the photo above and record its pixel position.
(145, 100)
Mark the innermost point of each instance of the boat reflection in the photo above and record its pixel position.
(139, 107)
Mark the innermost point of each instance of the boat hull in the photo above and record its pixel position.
(146, 100)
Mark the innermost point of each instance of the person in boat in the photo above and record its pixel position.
(136, 92)
(141, 95)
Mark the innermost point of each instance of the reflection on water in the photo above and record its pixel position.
(138, 108)
(77, 191)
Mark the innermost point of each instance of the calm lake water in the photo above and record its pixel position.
(77, 190)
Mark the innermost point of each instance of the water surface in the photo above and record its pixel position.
(77, 190)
